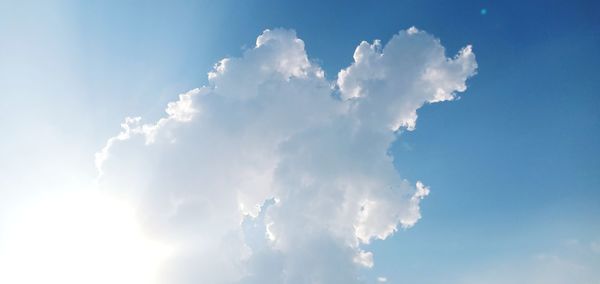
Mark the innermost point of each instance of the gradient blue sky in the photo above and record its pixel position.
(514, 165)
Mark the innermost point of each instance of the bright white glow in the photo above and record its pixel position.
(78, 238)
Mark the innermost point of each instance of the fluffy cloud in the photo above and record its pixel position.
(271, 173)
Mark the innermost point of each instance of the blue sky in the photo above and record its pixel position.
(513, 165)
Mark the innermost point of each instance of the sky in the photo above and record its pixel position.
(225, 179)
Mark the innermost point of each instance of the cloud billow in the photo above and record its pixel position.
(271, 173)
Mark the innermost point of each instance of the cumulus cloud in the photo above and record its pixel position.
(271, 173)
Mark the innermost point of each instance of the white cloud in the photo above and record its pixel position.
(393, 82)
(266, 176)
(364, 258)
(595, 246)
(572, 262)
